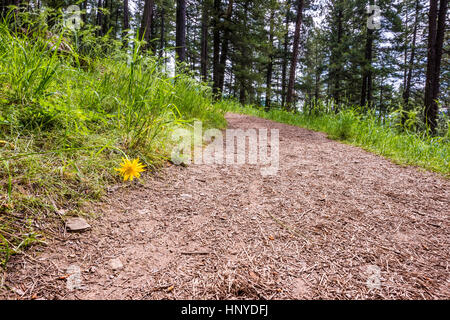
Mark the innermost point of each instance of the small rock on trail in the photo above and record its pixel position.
(116, 264)
(77, 225)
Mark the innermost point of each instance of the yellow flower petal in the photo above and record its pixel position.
(130, 169)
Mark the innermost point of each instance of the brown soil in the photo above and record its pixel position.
(316, 230)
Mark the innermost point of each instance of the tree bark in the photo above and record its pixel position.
(204, 42)
(216, 44)
(336, 70)
(146, 23)
(126, 21)
(285, 57)
(225, 42)
(116, 24)
(244, 86)
(270, 63)
(83, 6)
(317, 74)
(162, 40)
(109, 16)
(242, 94)
(405, 61)
(435, 44)
(152, 44)
(366, 91)
(181, 30)
(407, 92)
(106, 18)
(99, 18)
(298, 24)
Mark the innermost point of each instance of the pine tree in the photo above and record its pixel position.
(436, 33)
(146, 22)
(181, 30)
(298, 24)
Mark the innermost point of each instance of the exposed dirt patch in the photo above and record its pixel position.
(317, 230)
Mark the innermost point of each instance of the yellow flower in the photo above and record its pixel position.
(4, 143)
(130, 169)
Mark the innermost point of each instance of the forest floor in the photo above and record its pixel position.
(336, 222)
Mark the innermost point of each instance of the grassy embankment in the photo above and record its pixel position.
(67, 119)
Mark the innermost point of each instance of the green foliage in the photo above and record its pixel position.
(343, 127)
(69, 114)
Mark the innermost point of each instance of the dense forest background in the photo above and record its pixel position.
(289, 54)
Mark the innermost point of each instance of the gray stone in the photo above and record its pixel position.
(77, 225)
(143, 211)
(18, 291)
(116, 264)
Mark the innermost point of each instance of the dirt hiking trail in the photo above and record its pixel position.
(336, 222)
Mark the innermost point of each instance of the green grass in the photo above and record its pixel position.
(367, 132)
(67, 119)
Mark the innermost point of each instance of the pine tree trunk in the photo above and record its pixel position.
(181, 30)
(431, 64)
(146, 23)
(242, 94)
(435, 45)
(405, 61)
(152, 44)
(298, 24)
(270, 64)
(204, 43)
(366, 91)
(105, 24)
(407, 92)
(285, 58)
(244, 82)
(363, 90)
(369, 72)
(99, 18)
(162, 40)
(225, 42)
(336, 73)
(317, 75)
(216, 49)
(82, 7)
(126, 21)
(116, 24)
